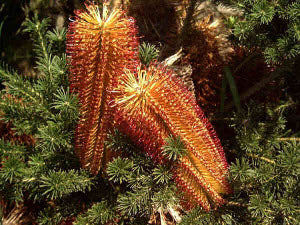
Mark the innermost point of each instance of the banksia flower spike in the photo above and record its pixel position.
(100, 43)
(151, 106)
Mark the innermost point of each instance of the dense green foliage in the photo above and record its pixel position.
(43, 108)
(273, 26)
(148, 53)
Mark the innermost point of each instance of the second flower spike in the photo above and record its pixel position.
(152, 105)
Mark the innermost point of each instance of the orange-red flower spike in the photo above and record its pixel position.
(100, 43)
(152, 105)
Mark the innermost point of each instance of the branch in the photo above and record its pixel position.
(289, 139)
(236, 204)
(261, 157)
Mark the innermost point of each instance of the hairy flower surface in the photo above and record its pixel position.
(152, 105)
(100, 43)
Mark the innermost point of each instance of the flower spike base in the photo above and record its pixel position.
(100, 43)
(151, 106)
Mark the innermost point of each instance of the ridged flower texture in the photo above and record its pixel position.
(152, 105)
(100, 43)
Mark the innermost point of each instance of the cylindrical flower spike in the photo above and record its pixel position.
(100, 43)
(152, 105)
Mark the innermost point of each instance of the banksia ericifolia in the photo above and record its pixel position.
(100, 43)
(152, 105)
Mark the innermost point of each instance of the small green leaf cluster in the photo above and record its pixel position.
(199, 217)
(99, 213)
(148, 187)
(174, 149)
(148, 53)
(273, 26)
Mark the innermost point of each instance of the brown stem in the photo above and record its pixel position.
(236, 204)
(289, 139)
(261, 157)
